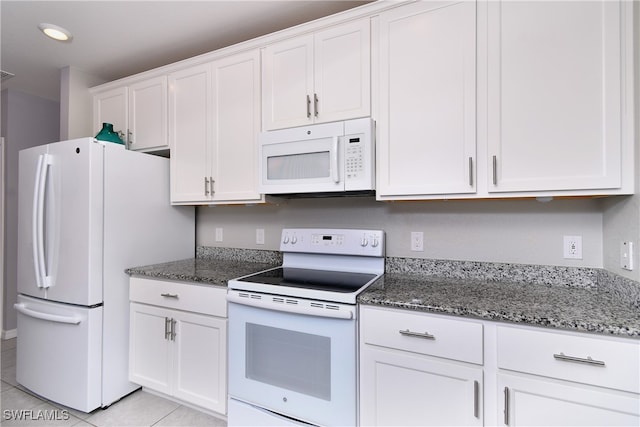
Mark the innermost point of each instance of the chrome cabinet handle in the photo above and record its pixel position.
(476, 399)
(315, 104)
(424, 335)
(308, 107)
(168, 295)
(167, 328)
(211, 183)
(129, 137)
(587, 361)
(495, 170)
(173, 329)
(206, 186)
(506, 406)
(470, 171)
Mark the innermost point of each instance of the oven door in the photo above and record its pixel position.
(298, 365)
(301, 166)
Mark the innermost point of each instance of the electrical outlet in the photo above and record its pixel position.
(259, 236)
(572, 247)
(626, 255)
(218, 234)
(417, 241)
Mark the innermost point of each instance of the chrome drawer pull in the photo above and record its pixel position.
(587, 361)
(424, 335)
(168, 295)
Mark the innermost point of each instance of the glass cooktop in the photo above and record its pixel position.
(333, 281)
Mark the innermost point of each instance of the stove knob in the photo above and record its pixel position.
(294, 240)
(375, 242)
(364, 242)
(286, 239)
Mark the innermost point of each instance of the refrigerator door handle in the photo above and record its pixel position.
(36, 224)
(22, 308)
(42, 280)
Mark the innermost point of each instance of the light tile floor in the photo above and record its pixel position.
(140, 409)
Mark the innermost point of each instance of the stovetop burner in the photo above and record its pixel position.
(331, 281)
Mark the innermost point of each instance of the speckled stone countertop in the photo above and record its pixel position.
(578, 299)
(210, 267)
(598, 307)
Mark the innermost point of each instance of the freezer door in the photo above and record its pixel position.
(61, 222)
(59, 352)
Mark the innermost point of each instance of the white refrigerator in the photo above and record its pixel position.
(87, 211)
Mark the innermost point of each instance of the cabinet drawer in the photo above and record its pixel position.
(433, 335)
(180, 296)
(606, 362)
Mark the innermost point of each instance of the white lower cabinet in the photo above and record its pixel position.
(414, 369)
(178, 336)
(558, 378)
(420, 369)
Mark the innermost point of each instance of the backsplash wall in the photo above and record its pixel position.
(506, 231)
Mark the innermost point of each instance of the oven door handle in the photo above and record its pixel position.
(308, 311)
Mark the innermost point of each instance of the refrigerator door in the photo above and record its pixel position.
(61, 222)
(60, 358)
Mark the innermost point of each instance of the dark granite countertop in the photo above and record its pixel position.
(554, 306)
(594, 301)
(198, 270)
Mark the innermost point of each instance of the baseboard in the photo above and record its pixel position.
(7, 335)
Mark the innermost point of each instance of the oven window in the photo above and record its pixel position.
(299, 166)
(288, 359)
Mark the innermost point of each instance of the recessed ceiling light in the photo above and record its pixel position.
(55, 32)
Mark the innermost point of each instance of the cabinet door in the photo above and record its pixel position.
(148, 115)
(427, 125)
(236, 125)
(149, 349)
(190, 134)
(342, 72)
(288, 83)
(111, 107)
(554, 95)
(200, 360)
(401, 388)
(527, 401)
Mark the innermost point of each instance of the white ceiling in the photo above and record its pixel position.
(118, 38)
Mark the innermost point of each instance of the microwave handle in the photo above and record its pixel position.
(335, 173)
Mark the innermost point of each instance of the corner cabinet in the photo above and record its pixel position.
(427, 123)
(214, 122)
(319, 77)
(419, 370)
(556, 88)
(137, 111)
(178, 338)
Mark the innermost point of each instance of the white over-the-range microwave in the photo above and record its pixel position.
(328, 158)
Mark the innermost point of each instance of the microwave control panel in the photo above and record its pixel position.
(354, 156)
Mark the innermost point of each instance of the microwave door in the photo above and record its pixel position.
(302, 166)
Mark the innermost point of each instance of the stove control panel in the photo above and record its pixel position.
(333, 241)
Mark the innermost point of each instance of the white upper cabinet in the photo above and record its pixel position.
(111, 106)
(214, 122)
(319, 77)
(555, 94)
(190, 115)
(148, 115)
(138, 112)
(427, 120)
